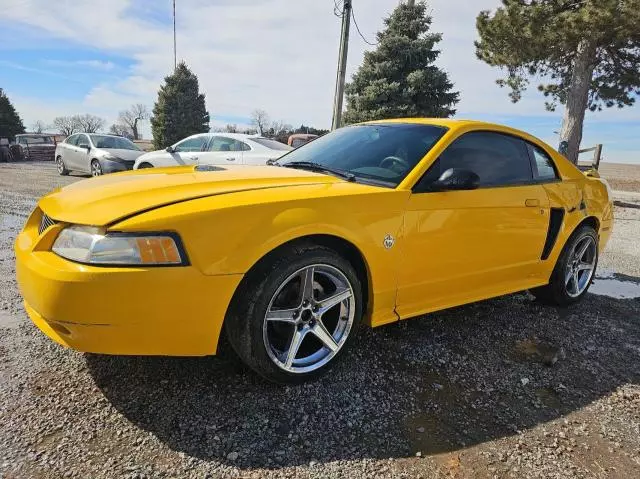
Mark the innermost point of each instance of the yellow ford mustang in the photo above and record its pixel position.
(372, 223)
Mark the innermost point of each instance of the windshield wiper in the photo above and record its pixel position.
(310, 165)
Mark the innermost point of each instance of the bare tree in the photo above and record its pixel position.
(231, 128)
(39, 126)
(67, 125)
(131, 117)
(89, 123)
(121, 130)
(260, 119)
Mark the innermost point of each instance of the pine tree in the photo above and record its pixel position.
(399, 78)
(586, 53)
(180, 110)
(10, 122)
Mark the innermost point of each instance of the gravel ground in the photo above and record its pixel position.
(501, 388)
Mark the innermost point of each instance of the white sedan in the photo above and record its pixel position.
(216, 149)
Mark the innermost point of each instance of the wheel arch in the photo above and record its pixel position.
(340, 245)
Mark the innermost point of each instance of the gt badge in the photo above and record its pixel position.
(389, 241)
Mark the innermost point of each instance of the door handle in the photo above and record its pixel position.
(532, 203)
(231, 159)
(194, 158)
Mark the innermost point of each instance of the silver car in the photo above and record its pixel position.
(96, 154)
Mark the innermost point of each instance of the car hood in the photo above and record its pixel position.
(129, 155)
(106, 199)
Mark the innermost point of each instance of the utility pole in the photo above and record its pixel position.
(175, 56)
(342, 65)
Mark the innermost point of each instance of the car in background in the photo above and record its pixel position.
(216, 149)
(36, 146)
(299, 139)
(96, 154)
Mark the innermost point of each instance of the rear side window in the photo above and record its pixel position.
(543, 166)
(222, 143)
(72, 139)
(499, 160)
(271, 144)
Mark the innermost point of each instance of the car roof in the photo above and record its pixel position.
(453, 124)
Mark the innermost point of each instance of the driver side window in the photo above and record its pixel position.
(498, 159)
(191, 144)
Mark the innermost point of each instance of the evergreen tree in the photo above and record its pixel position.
(180, 110)
(10, 122)
(587, 54)
(399, 78)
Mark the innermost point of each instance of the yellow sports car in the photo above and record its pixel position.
(373, 223)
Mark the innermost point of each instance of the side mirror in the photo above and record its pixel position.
(85, 146)
(170, 149)
(456, 179)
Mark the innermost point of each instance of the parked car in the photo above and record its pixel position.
(36, 146)
(372, 223)
(216, 149)
(96, 154)
(299, 139)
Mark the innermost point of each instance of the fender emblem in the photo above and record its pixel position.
(389, 241)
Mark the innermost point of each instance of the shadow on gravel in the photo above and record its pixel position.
(437, 384)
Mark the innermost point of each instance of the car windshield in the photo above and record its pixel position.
(383, 153)
(271, 144)
(113, 142)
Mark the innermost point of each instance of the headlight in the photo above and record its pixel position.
(87, 244)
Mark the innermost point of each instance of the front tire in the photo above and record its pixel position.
(574, 271)
(96, 168)
(295, 313)
(62, 170)
(144, 165)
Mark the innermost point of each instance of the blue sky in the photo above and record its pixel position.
(278, 55)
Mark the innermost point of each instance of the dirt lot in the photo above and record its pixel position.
(621, 177)
(502, 388)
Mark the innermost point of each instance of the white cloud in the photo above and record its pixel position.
(94, 64)
(277, 55)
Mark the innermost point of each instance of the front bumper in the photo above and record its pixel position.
(173, 311)
(110, 166)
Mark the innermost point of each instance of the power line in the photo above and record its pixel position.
(337, 8)
(353, 15)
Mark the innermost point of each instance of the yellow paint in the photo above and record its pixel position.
(451, 247)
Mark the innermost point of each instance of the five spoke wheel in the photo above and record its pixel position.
(309, 318)
(580, 266)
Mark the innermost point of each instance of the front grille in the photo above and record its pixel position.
(45, 222)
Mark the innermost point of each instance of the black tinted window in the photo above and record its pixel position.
(543, 164)
(497, 159)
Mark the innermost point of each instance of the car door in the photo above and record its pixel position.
(463, 246)
(82, 153)
(188, 151)
(222, 150)
(72, 154)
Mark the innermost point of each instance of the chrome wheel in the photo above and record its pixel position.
(96, 169)
(309, 318)
(580, 266)
(59, 165)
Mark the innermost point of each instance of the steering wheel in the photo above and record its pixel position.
(394, 160)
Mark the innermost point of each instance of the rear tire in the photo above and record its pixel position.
(571, 276)
(62, 170)
(295, 313)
